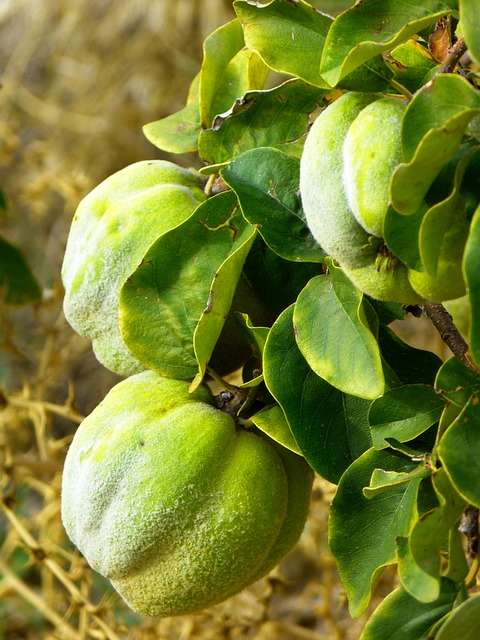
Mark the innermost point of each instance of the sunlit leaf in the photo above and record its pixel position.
(463, 622)
(432, 130)
(260, 119)
(273, 422)
(413, 64)
(334, 337)
(175, 285)
(470, 17)
(456, 382)
(372, 27)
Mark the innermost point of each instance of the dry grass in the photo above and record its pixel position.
(78, 81)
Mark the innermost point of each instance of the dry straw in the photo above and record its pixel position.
(78, 81)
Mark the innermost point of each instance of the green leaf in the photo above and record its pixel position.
(458, 451)
(472, 278)
(175, 285)
(470, 23)
(463, 622)
(440, 220)
(222, 290)
(334, 337)
(228, 71)
(402, 617)
(429, 537)
(413, 64)
(456, 382)
(411, 365)
(362, 531)
(433, 126)
(330, 427)
(17, 283)
(277, 281)
(371, 27)
(289, 36)
(401, 235)
(178, 133)
(272, 421)
(404, 413)
(266, 182)
(382, 480)
(267, 118)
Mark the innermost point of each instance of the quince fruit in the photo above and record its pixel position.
(346, 168)
(171, 500)
(110, 233)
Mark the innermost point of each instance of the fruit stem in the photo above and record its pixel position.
(218, 378)
(401, 89)
(449, 333)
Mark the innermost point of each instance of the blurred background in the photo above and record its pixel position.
(78, 81)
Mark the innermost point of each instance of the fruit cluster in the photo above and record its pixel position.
(168, 496)
(350, 156)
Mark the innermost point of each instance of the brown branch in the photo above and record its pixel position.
(449, 333)
(454, 55)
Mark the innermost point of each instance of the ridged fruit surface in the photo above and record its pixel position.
(346, 169)
(111, 231)
(173, 502)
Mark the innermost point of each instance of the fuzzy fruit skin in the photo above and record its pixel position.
(371, 152)
(178, 507)
(111, 231)
(321, 182)
(390, 283)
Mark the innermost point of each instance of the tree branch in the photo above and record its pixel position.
(454, 55)
(449, 333)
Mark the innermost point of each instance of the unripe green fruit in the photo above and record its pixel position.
(175, 504)
(371, 152)
(321, 182)
(112, 229)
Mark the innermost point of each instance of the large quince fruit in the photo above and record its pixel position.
(172, 501)
(349, 158)
(111, 231)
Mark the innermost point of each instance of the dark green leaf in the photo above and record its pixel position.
(401, 235)
(277, 281)
(433, 127)
(175, 286)
(330, 427)
(402, 617)
(17, 283)
(260, 119)
(404, 413)
(382, 480)
(372, 27)
(411, 365)
(458, 451)
(463, 622)
(362, 531)
(266, 183)
(334, 337)
(456, 382)
(472, 277)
